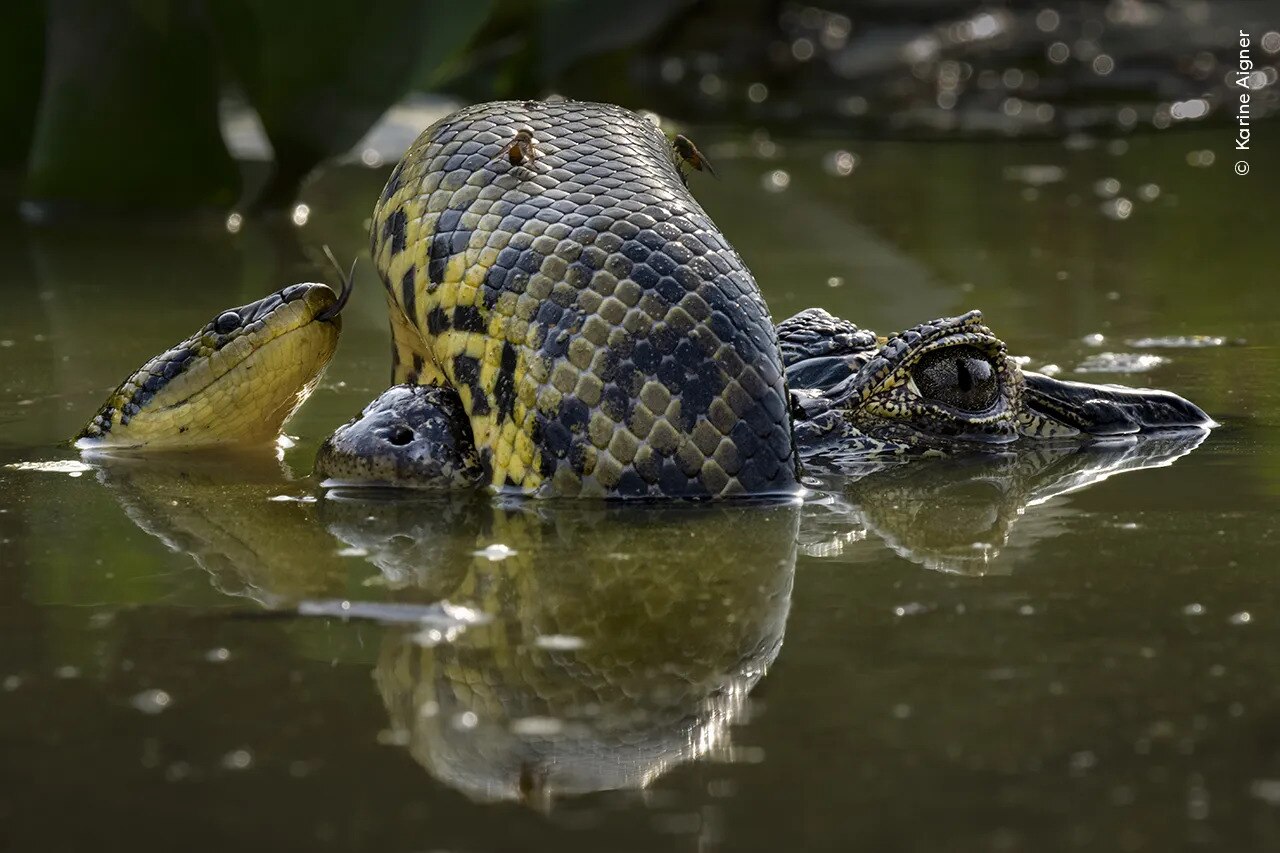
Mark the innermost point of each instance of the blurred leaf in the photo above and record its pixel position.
(320, 78)
(21, 66)
(129, 115)
(447, 40)
(571, 30)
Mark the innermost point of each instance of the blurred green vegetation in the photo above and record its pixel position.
(128, 113)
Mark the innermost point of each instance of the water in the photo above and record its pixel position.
(1053, 650)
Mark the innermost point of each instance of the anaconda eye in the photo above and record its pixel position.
(227, 322)
(960, 377)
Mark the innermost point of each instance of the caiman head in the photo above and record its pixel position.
(945, 385)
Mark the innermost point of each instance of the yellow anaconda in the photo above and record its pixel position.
(546, 261)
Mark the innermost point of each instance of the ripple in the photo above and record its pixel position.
(1120, 362)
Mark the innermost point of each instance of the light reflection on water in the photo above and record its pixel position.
(1075, 671)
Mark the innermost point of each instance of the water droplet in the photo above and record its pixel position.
(1241, 618)
(466, 720)
(1189, 110)
(1094, 340)
(1201, 158)
(537, 726)
(840, 163)
(177, 771)
(301, 213)
(1267, 790)
(218, 655)
(1194, 609)
(300, 499)
(152, 701)
(238, 759)
(757, 93)
(1082, 761)
(560, 642)
(835, 281)
(67, 672)
(1106, 188)
(393, 737)
(1120, 362)
(776, 181)
(70, 467)
(234, 223)
(495, 553)
(1117, 208)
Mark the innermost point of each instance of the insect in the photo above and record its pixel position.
(690, 155)
(520, 151)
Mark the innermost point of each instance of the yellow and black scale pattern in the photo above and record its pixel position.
(604, 337)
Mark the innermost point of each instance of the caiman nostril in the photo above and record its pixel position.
(400, 435)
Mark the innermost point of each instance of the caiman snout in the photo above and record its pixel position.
(1104, 410)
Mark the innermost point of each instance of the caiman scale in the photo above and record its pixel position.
(566, 320)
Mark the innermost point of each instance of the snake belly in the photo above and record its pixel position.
(603, 336)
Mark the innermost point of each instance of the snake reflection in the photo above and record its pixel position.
(614, 643)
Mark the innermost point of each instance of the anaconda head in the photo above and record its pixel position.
(236, 380)
(948, 384)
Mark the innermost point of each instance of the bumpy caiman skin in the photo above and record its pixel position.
(947, 385)
(603, 336)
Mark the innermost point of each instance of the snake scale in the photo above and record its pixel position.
(604, 337)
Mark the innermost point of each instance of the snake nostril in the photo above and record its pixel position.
(400, 435)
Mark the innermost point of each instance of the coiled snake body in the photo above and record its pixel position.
(602, 334)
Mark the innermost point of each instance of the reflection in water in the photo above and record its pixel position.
(610, 642)
(235, 513)
(957, 514)
(623, 641)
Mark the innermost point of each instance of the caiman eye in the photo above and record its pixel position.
(960, 377)
(227, 322)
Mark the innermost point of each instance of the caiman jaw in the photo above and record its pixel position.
(1054, 407)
